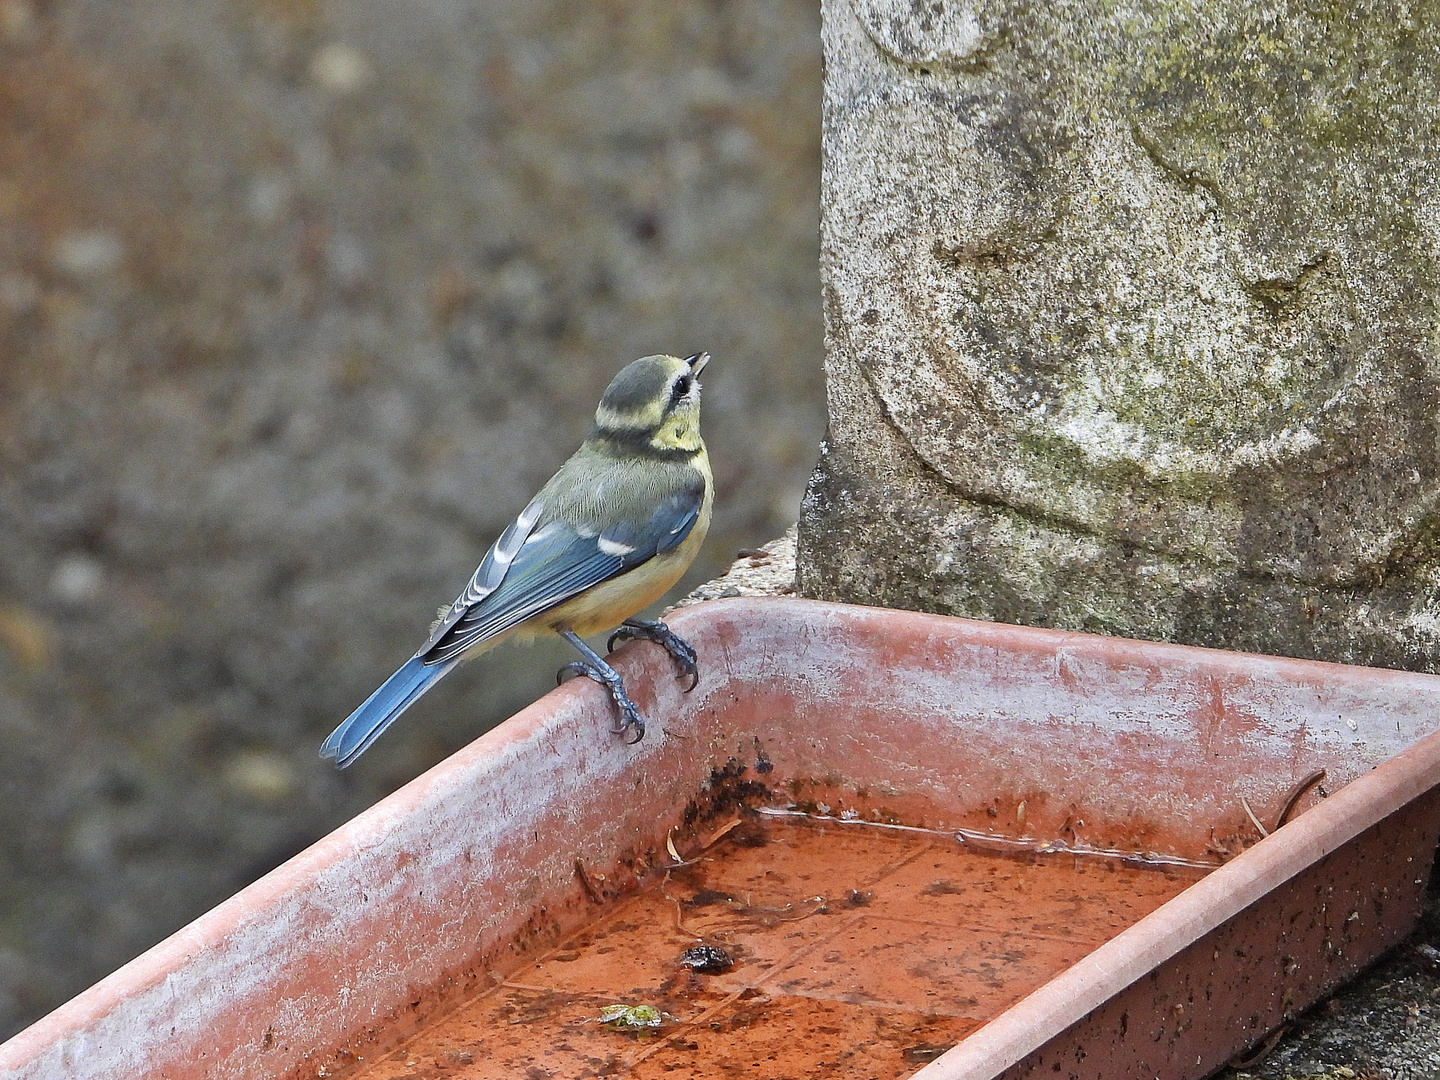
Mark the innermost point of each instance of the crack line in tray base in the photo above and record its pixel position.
(1019, 845)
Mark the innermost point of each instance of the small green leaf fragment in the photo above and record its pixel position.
(626, 1017)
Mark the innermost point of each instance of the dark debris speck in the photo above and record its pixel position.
(707, 959)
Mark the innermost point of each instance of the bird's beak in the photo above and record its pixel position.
(697, 362)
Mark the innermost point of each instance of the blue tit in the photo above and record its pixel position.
(607, 536)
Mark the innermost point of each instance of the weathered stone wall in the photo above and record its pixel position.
(299, 303)
(1131, 320)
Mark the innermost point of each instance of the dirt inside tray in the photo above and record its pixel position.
(821, 949)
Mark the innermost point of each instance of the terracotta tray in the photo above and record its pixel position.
(889, 833)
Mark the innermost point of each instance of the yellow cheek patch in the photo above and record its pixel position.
(678, 433)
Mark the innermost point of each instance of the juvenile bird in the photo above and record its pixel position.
(606, 536)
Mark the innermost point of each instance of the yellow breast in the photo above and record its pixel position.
(607, 605)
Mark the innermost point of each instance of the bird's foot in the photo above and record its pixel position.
(608, 677)
(680, 650)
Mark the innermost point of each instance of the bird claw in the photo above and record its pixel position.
(570, 670)
(629, 718)
(680, 650)
(609, 678)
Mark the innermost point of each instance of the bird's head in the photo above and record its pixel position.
(654, 401)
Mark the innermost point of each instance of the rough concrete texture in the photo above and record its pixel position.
(299, 303)
(767, 570)
(1131, 317)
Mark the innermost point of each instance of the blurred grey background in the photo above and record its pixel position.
(299, 303)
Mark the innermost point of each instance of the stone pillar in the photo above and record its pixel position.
(1131, 317)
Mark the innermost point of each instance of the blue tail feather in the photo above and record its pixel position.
(381, 709)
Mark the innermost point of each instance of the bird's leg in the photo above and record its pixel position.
(592, 667)
(654, 630)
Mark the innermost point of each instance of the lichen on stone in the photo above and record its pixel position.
(1132, 319)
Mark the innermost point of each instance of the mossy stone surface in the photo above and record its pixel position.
(1131, 315)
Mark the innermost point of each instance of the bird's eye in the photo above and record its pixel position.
(680, 389)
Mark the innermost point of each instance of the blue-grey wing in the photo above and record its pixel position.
(490, 573)
(553, 563)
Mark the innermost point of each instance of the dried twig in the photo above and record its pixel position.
(680, 920)
(585, 882)
(716, 836)
(1294, 797)
(1238, 1062)
(1253, 819)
